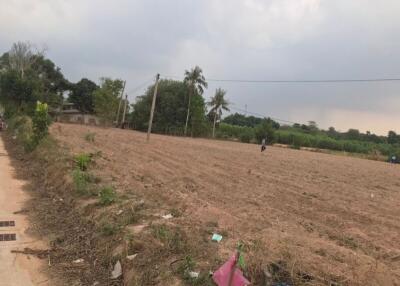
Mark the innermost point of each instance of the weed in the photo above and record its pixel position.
(108, 229)
(132, 217)
(82, 161)
(107, 196)
(89, 137)
(160, 232)
(81, 181)
(175, 212)
(186, 265)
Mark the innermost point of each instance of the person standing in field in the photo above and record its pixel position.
(263, 144)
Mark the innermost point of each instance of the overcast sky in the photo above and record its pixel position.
(231, 39)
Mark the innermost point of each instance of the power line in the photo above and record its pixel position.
(297, 81)
(140, 86)
(263, 115)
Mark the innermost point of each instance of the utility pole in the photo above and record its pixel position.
(119, 106)
(123, 116)
(153, 105)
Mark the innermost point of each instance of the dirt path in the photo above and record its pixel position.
(16, 269)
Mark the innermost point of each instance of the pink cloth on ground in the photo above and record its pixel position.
(221, 276)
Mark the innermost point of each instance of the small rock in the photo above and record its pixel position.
(120, 212)
(96, 283)
(80, 260)
(117, 272)
(131, 257)
(372, 195)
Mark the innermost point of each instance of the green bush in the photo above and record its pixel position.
(81, 181)
(107, 196)
(246, 137)
(90, 137)
(40, 122)
(83, 161)
(264, 130)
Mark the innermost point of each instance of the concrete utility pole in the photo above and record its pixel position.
(123, 116)
(153, 105)
(119, 106)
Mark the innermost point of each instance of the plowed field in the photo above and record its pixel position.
(335, 216)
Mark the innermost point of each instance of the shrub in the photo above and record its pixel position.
(81, 181)
(41, 122)
(82, 161)
(108, 229)
(264, 130)
(246, 137)
(107, 196)
(90, 137)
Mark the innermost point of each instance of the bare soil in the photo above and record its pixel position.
(333, 219)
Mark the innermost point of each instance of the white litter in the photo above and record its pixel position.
(117, 272)
(372, 196)
(167, 216)
(131, 257)
(193, 274)
(80, 260)
(120, 212)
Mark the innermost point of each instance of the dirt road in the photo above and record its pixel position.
(16, 269)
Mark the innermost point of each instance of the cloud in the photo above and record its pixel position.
(242, 39)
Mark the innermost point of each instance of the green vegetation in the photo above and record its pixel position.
(83, 161)
(108, 229)
(89, 137)
(106, 99)
(107, 196)
(170, 110)
(81, 95)
(217, 104)
(81, 181)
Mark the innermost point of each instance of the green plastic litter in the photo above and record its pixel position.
(216, 237)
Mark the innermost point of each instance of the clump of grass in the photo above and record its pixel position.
(82, 161)
(186, 266)
(89, 137)
(174, 239)
(81, 181)
(108, 229)
(107, 196)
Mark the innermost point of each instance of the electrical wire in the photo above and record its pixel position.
(295, 81)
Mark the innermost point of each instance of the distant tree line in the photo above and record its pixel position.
(27, 76)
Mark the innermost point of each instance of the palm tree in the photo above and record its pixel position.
(196, 82)
(217, 103)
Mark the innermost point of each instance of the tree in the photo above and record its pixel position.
(81, 95)
(196, 83)
(353, 134)
(106, 99)
(393, 138)
(22, 56)
(217, 104)
(27, 76)
(170, 110)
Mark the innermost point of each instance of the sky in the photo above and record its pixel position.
(231, 39)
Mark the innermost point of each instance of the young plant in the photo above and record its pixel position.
(81, 181)
(82, 161)
(107, 196)
(89, 137)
